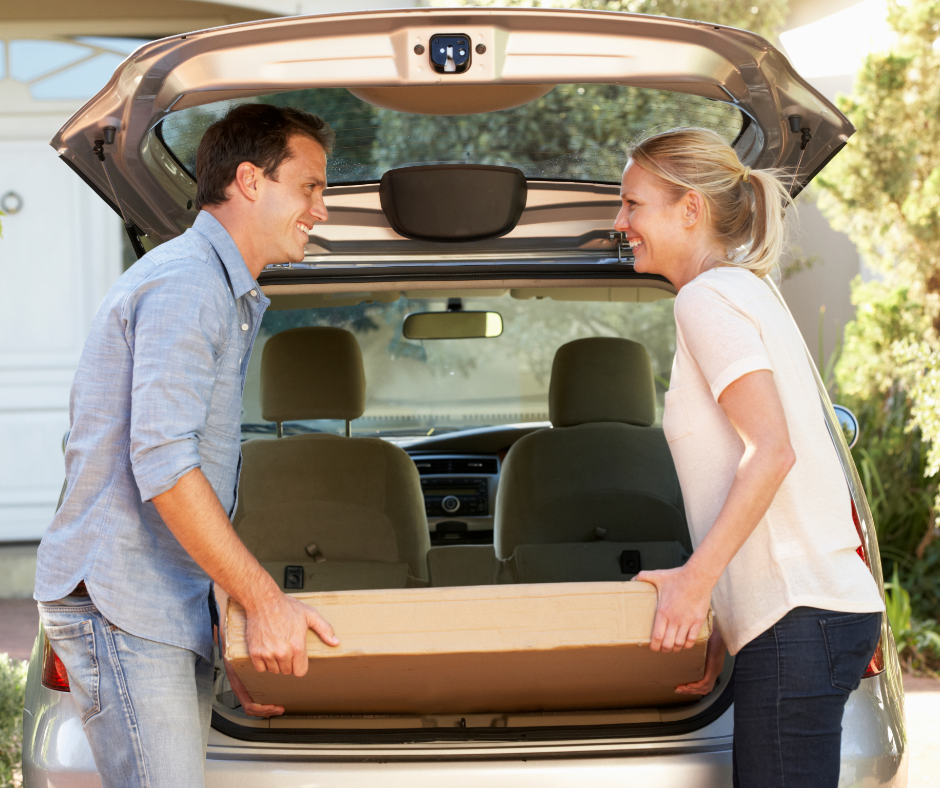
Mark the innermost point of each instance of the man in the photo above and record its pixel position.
(153, 457)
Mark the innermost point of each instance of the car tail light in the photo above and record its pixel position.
(877, 664)
(861, 537)
(54, 675)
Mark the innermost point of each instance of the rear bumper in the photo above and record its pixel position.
(56, 753)
(702, 770)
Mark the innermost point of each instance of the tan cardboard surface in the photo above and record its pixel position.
(478, 649)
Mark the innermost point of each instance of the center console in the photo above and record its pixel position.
(459, 496)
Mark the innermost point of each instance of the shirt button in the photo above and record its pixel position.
(254, 292)
(244, 326)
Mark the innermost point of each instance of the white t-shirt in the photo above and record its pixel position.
(803, 551)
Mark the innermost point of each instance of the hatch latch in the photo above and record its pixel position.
(450, 54)
(624, 252)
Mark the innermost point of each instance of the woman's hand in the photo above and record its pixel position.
(682, 607)
(714, 664)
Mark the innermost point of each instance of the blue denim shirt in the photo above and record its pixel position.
(157, 393)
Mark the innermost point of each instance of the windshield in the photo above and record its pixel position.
(574, 132)
(424, 387)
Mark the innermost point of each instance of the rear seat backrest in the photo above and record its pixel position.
(358, 501)
(603, 473)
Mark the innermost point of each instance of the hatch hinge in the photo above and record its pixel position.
(795, 123)
(98, 150)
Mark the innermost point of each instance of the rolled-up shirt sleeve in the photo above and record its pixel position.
(175, 325)
(722, 338)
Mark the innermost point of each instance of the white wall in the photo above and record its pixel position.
(58, 256)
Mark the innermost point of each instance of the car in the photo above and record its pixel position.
(473, 189)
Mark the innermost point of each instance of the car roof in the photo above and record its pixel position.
(374, 55)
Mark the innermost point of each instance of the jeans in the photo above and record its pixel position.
(790, 688)
(145, 706)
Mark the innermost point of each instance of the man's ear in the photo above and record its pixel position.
(247, 180)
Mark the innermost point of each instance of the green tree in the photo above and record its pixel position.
(764, 18)
(884, 191)
(884, 188)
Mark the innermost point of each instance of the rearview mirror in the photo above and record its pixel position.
(452, 325)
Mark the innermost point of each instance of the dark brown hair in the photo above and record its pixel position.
(257, 133)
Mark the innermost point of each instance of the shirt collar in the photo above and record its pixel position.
(213, 231)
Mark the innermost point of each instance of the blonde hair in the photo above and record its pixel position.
(743, 206)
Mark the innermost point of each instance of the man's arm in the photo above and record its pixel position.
(277, 623)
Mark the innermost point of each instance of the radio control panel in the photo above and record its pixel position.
(451, 496)
(459, 495)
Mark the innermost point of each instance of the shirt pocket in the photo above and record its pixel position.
(676, 422)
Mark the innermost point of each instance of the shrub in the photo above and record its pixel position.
(917, 640)
(892, 455)
(12, 693)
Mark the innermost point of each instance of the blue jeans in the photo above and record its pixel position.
(790, 688)
(145, 706)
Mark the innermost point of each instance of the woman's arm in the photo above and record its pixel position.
(753, 407)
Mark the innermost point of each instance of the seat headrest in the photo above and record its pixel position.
(602, 379)
(312, 373)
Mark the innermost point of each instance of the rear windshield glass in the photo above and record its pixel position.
(574, 132)
(424, 387)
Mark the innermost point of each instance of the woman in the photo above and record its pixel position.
(766, 499)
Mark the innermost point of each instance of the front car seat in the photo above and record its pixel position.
(324, 512)
(597, 496)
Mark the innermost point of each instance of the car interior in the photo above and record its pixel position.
(372, 460)
(593, 497)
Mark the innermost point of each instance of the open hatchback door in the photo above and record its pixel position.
(556, 94)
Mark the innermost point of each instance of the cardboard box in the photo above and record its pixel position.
(478, 649)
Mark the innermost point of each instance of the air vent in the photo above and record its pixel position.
(463, 465)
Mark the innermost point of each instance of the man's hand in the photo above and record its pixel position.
(714, 664)
(682, 606)
(277, 635)
(250, 708)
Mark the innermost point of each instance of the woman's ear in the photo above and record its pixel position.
(693, 205)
